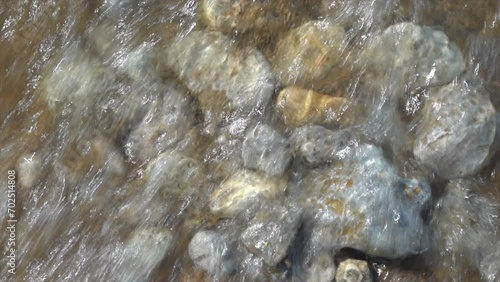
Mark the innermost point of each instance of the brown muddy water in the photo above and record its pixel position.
(239, 140)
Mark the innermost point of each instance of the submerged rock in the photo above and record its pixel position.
(29, 168)
(310, 56)
(271, 233)
(266, 150)
(323, 269)
(363, 204)
(315, 145)
(163, 125)
(352, 270)
(143, 252)
(244, 190)
(209, 251)
(244, 15)
(457, 130)
(216, 70)
(422, 57)
(490, 269)
(76, 79)
(298, 107)
(465, 222)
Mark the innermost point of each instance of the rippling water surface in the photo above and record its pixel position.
(217, 140)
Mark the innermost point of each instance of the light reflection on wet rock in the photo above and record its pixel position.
(363, 204)
(168, 120)
(244, 190)
(209, 63)
(311, 55)
(266, 150)
(270, 233)
(457, 130)
(420, 56)
(210, 251)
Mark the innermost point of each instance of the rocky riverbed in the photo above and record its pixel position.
(217, 140)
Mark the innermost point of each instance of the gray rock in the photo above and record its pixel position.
(424, 57)
(173, 173)
(245, 190)
(465, 222)
(145, 249)
(316, 145)
(353, 271)
(266, 150)
(309, 55)
(490, 265)
(271, 233)
(209, 63)
(362, 203)
(323, 269)
(457, 130)
(163, 125)
(29, 168)
(209, 251)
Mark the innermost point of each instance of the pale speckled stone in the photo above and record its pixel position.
(457, 130)
(421, 56)
(323, 269)
(209, 63)
(244, 190)
(352, 270)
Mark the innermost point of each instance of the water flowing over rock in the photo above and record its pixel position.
(271, 233)
(163, 125)
(209, 251)
(420, 56)
(363, 204)
(465, 222)
(243, 191)
(489, 265)
(143, 252)
(266, 150)
(244, 15)
(352, 270)
(209, 63)
(310, 55)
(299, 107)
(323, 269)
(315, 145)
(455, 142)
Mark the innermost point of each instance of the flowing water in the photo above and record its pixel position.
(238, 140)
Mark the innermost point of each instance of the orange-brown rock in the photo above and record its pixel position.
(299, 107)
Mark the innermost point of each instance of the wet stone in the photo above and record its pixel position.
(457, 130)
(266, 150)
(354, 271)
(166, 122)
(310, 56)
(209, 251)
(323, 269)
(74, 78)
(298, 107)
(422, 57)
(244, 15)
(245, 190)
(212, 66)
(465, 222)
(145, 249)
(490, 269)
(363, 204)
(29, 169)
(315, 145)
(271, 233)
